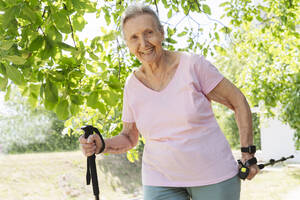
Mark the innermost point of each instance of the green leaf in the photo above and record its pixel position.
(74, 109)
(114, 82)
(2, 69)
(18, 60)
(6, 44)
(101, 108)
(58, 75)
(61, 21)
(9, 16)
(33, 101)
(49, 49)
(183, 33)
(36, 44)
(3, 83)
(224, 4)
(259, 18)
(31, 15)
(170, 14)
(15, 75)
(34, 89)
(165, 3)
(110, 36)
(92, 100)
(170, 40)
(93, 56)
(107, 18)
(77, 4)
(109, 97)
(65, 46)
(220, 50)
(217, 36)
(49, 105)
(78, 22)
(7, 95)
(175, 8)
(53, 33)
(76, 99)
(91, 68)
(225, 30)
(62, 110)
(206, 9)
(185, 10)
(51, 92)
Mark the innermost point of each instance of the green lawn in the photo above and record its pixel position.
(46, 176)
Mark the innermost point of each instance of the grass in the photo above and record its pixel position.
(61, 176)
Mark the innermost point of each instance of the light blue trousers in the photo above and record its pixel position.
(226, 190)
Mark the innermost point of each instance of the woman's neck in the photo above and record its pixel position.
(158, 66)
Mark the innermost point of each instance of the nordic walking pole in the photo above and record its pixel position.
(91, 164)
(244, 170)
(272, 161)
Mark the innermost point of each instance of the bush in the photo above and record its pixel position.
(53, 141)
(26, 130)
(226, 120)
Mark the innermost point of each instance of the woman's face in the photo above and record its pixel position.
(143, 38)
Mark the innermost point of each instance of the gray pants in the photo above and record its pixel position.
(226, 190)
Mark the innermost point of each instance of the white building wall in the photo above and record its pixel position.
(277, 141)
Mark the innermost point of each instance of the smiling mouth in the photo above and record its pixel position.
(147, 51)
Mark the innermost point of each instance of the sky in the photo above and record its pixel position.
(92, 28)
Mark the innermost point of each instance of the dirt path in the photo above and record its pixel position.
(61, 176)
(293, 194)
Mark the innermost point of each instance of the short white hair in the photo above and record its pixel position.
(139, 9)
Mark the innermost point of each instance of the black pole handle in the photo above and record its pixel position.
(91, 163)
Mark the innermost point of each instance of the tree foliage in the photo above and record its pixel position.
(267, 49)
(82, 80)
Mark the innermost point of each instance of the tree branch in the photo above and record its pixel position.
(71, 27)
(198, 5)
(156, 7)
(118, 49)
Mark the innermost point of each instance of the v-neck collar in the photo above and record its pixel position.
(169, 84)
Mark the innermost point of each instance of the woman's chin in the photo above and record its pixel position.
(148, 58)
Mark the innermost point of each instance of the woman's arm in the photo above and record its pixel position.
(126, 140)
(229, 95)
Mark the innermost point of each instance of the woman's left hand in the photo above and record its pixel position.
(253, 169)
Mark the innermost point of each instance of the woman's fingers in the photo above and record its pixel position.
(254, 169)
(88, 149)
(91, 145)
(96, 140)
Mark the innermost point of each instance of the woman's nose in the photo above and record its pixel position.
(143, 41)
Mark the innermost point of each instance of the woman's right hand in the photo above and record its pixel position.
(91, 145)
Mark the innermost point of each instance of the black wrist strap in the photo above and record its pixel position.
(250, 149)
(250, 162)
(102, 140)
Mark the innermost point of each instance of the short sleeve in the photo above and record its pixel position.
(127, 114)
(207, 74)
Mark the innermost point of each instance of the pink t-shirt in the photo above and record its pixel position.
(184, 144)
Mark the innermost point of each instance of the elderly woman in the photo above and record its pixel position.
(168, 101)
